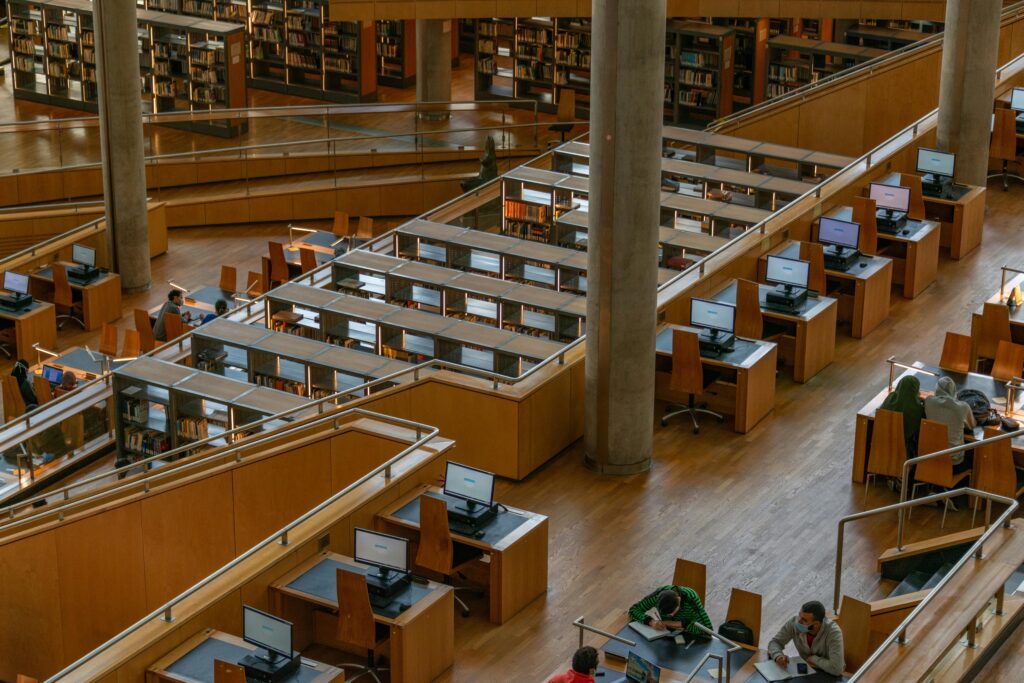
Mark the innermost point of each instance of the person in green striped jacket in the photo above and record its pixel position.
(678, 607)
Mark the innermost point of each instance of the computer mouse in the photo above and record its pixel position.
(904, 232)
(402, 606)
(479, 533)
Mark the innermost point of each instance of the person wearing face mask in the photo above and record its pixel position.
(818, 640)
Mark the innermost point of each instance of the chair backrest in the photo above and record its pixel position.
(956, 353)
(41, 385)
(307, 257)
(934, 437)
(224, 672)
(254, 284)
(814, 253)
(26, 679)
(364, 231)
(173, 326)
(341, 226)
(864, 214)
(108, 340)
(888, 448)
(687, 371)
(14, 404)
(130, 347)
(278, 266)
(916, 210)
(1009, 361)
(1004, 135)
(692, 575)
(749, 322)
(73, 428)
(992, 328)
(355, 616)
(435, 549)
(61, 286)
(145, 329)
(228, 278)
(566, 105)
(994, 470)
(746, 607)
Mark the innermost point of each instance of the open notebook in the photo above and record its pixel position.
(651, 633)
(773, 672)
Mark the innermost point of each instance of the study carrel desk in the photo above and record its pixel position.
(1016, 317)
(516, 543)
(101, 298)
(192, 661)
(35, 323)
(871, 284)
(422, 639)
(814, 327)
(749, 369)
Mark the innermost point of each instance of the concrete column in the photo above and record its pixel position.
(124, 172)
(433, 60)
(627, 76)
(970, 50)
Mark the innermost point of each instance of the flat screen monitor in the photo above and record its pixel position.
(381, 550)
(639, 670)
(83, 255)
(15, 282)
(890, 197)
(935, 162)
(267, 631)
(52, 374)
(469, 483)
(788, 271)
(713, 315)
(838, 233)
(1017, 99)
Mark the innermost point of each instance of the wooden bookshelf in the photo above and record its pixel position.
(794, 62)
(698, 89)
(396, 53)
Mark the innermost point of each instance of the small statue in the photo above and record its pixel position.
(488, 167)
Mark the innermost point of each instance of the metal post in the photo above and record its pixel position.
(284, 538)
(168, 617)
(1000, 598)
(972, 634)
(581, 621)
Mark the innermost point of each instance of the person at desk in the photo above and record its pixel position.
(906, 399)
(818, 640)
(678, 607)
(28, 394)
(220, 308)
(171, 307)
(584, 666)
(944, 407)
(68, 383)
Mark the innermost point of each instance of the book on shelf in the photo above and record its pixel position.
(24, 46)
(264, 18)
(291, 386)
(193, 428)
(345, 65)
(199, 8)
(146, 441)
(704, 59)
(26, 64)
(704, 79)
(531, 35)
(57, 32)
(486, 66)
(521, 211)
(527, 231)
(25, 27)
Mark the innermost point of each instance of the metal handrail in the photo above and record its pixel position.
(893, 364)
(41, 246)
(976, 548)
(582, 626)
(1002, 278)
(730, 648)
(165, 612)
(899, 634)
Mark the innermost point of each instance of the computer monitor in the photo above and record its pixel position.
(469, 484)
(1017, 99)
(837, 233)
(890, 197)
(267, 631)
(713, 315)
(789, 272)
(52, 374)
(16, 283)
(639, 670)
(936, 163)
(383, 551)
(83, 255)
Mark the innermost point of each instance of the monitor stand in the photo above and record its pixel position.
(270, 667)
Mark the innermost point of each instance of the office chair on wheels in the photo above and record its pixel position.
(356, 625)
(437, 552)
(688, 377)
(63, 298)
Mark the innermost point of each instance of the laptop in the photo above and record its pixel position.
(52, 374)
(639, 670)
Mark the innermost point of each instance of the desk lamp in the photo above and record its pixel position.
(39, 350)
(893, 364)
(292, 229)
(1015, 293)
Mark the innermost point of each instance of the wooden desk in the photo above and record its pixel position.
(37, 323)
(321, 241)
(422, 637)
(749, 370)
(961, 216)
(86, 366)
(814, 325)
(101, 298)
(192, 661)
(1016, 317)
(205, 298)
(294, 261)
(870, 280)
(518, 570)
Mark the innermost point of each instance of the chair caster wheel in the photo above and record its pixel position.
(721, 419)
(465, 613)
(664, 422)
(696, 430)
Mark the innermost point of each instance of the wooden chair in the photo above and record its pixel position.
(1009, 361)
(566, 113)
(994, 469)
(916, 210)
(64, 299)
(356, 626)
(956, 353)
(14, 404)
(41, 385)
(26, 679)
(225, 672)
(934, 437)
(746, 607)
(254, 284)
(688, 378)
(173, 326)
(888, 448)
(145, 329)
(864, 213)
(341, 226)
(73, 429)
(131, 346)
(1004, 141)
(108, 340)
(992, 328)
(815, 254)
(307, 257)
(749, 322)
(692, 575)
(229, 279)
(364, 231)
(278, 266)
(437, 552)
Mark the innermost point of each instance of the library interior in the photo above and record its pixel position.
(314, 366)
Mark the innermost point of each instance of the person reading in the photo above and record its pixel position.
(171, 307)
(906, 399)
(818, 640)
(678, 608)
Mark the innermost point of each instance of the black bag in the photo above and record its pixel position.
(736, 631)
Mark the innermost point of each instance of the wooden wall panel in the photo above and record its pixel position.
(545, 423)
(818, 121)
(356, 453)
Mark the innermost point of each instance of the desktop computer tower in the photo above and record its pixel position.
(386, 585)
(780, 299)
(718, 344)
(841, 262)
(890, 223)
(474, 516)
(259, 669)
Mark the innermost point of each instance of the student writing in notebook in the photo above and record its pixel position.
(818, 640)
(678, 608)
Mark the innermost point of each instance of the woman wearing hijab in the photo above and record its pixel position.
(944, 407)
(28, 394)
(906, 399)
